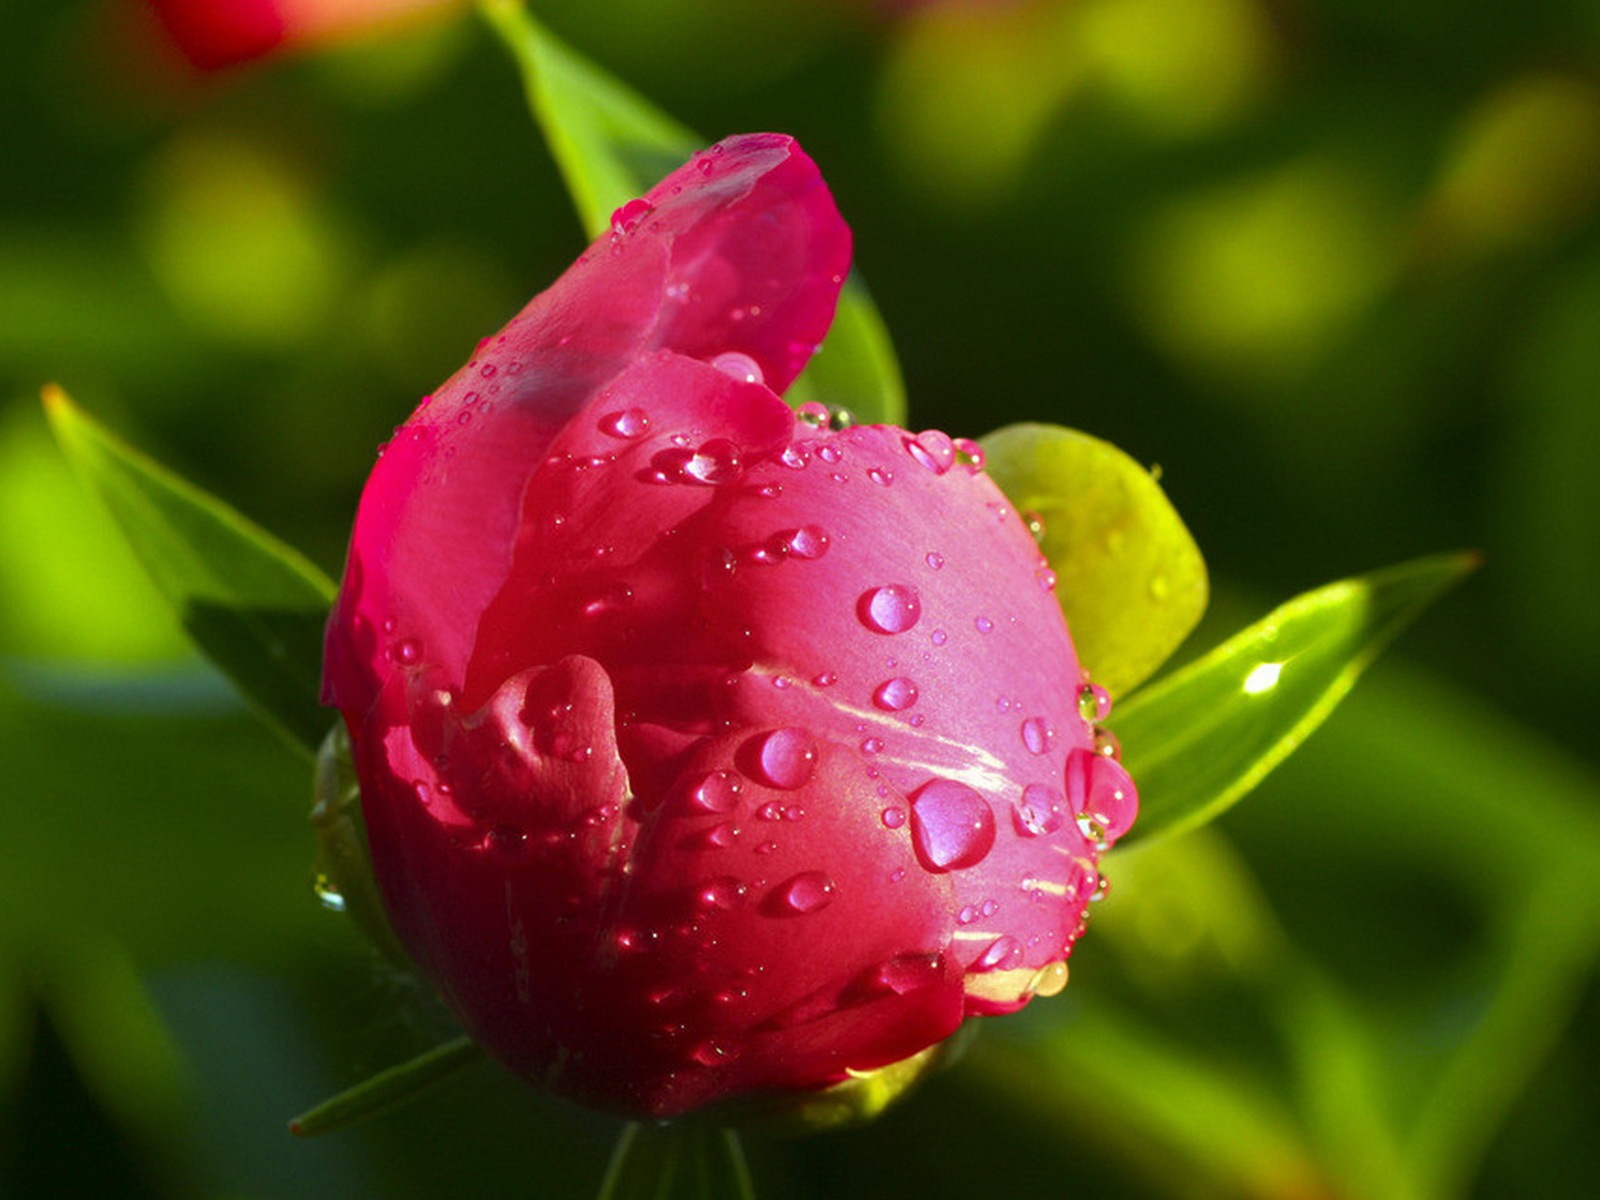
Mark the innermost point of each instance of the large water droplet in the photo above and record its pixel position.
(813, 414)
(1037, 735)
(893, 608)
(1041, 810)
(970, 453)
(1099, 789)
(784, 758)
(738, 366)
(626, 423)
(717, 792)
(807, 892)
(895, 694)
(952, 826)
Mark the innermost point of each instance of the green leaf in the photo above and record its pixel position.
(1200, 739)
(1132, 582)
(253, 605)
(387, 1089)
(612, 144)
(688, 1160)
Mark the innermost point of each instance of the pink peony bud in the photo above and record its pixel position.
(706, 750)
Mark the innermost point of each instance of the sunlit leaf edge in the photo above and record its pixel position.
(1409, 588)
(387, 1089)
(101, 458)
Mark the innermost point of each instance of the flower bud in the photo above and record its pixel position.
(710, 752)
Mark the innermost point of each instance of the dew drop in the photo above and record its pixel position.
(893, 608)
(813, 414)
(1094, 703)
(879, 476)
(723, 893)
(893, 817)
(933, 450)
(939, 637)
(807, 892)
(327, 894)
(1105, 742)
(407, 652)
(935, 560)
(983, 625)
(713, 1052)
(717, 792)
(1037, 735)
(872, 745)
(716, 461)
(1001, 952)
(626, 423)
(738, 366)
(784, 758)
(908, 972)
(1035, 524)
(952, 826)
(807, 542)
(895, 695)
(1099, 789)
(970, 453)
(626, 219)
(793, 458)
(1049, 980)
(1046, 579)
(1040, 811)
(825, 679)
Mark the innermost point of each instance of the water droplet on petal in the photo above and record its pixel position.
(724, 892)
(933, 450)
(952, 826)
(894, 695)
(808, 542)
(813, 414)
(784, 758)
(406, 652)
(893, 817)
(1046, 579)
(935, 560)
(1049, 979)
(1041, 810)
(1000, 953)
(793, 458)
(1099, 789)
(738, 366)
(983, 625)
(713, 1052)
(907, 972)
(825, 679)
(626, 219)
(1035, 524)
(1105, 742)
(879, 476)
(626, 423)
(1037, 735)
(807, 892)
(872, 745)
(1094, 703)
(716, 461)
(893, 608)
(970, 453)
(717, 792)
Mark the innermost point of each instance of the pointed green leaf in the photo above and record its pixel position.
(687, 1160)
(1132, 582)
(612, 144)
(1200, 739)
(253, 605)
(387, 1089)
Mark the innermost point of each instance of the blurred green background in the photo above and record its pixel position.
(1334, 265)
